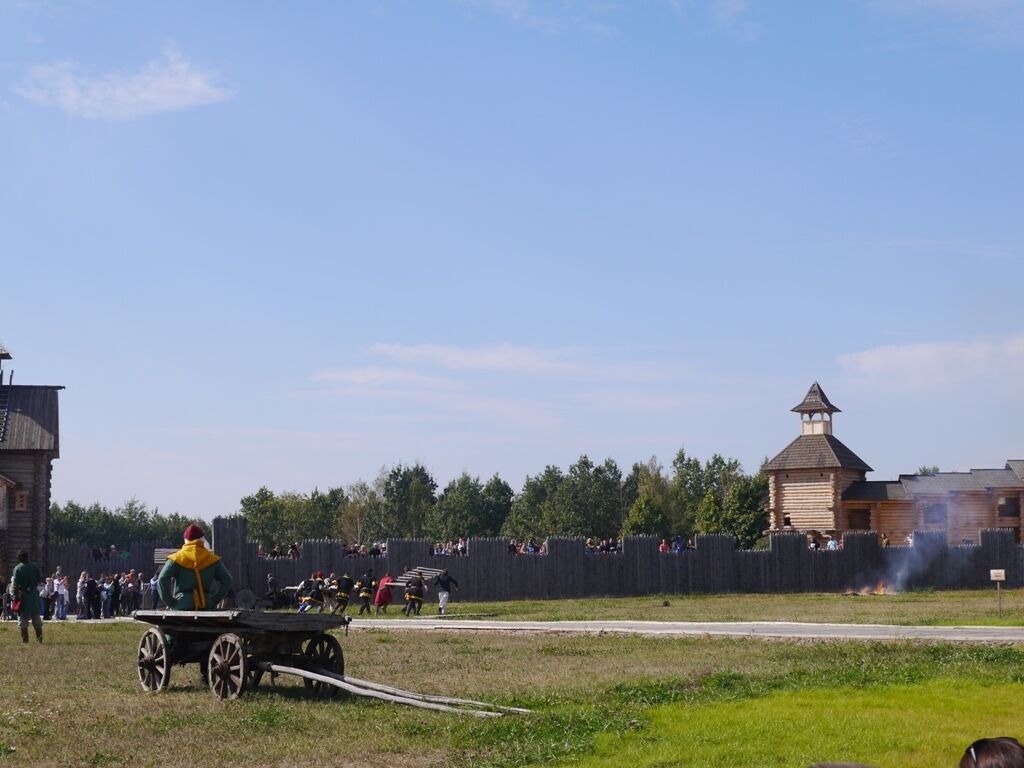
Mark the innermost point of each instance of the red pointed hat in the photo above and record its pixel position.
(194, 533)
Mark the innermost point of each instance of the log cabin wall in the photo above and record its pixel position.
(807, 498)
(842, 479)
(896, 519)
(28, 506)
(969, 514)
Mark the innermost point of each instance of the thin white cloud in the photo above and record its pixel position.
(169, 83)
(390, 378)
(734, 15)
(497, 357)
(987, 20)
(934, 366)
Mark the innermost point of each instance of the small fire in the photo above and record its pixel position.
(879, 589)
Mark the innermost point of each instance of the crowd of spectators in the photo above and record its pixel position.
(278, 551)
(293, 551)
(603, 546)
(450, 549)
(530, 547)
(116, 594)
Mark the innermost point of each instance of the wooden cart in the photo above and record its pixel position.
(235, 647)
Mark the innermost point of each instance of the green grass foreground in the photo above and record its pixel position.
(660, 701)
(976, 607)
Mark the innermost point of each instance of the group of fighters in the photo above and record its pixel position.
(319, 593)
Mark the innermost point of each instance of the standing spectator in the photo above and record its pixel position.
(93, 598)
(25, 584)
(115, 595)
(46, 598)
(60, 593)
(154, 593)
(664, 547)
(80, 602)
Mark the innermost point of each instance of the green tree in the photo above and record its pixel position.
(646, 518)
(745, 509)
(687, 488)
(497, 505)
(588, 501)
(459, 510)
(409, 494)
(264, 517)
(928, 470)
(526, 516)
(710, 517)
(360, 512)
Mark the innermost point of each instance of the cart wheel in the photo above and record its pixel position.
(229, 667)
(324, 651)
(154, 660)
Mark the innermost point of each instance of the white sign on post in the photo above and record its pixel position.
(997, 574)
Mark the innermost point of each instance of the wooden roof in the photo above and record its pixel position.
(815, 401)
(4, 354)
(909, 487)
(875, 490)
(817, 452)
(32, 420)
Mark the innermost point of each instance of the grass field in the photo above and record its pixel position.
(927, 607)
(596, 699)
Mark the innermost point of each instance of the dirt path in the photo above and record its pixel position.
(766, 629)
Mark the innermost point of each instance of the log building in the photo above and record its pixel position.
(818, 484)
(29, 442)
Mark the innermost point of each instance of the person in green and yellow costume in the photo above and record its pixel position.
(189, 575)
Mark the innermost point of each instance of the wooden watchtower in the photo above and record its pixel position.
(807, 479)
(29, 442)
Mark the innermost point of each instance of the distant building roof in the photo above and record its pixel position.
(815, 401)
(32, 419)
(4, 354)
(909, 486)
(941, 482)
(875, 490)
(1016, 466)
(817, 452)
(997, 478)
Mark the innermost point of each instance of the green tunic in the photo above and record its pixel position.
(25, 587)
(179, 597)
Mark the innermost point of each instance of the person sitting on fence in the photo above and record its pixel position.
(365, 588)
(293, 551)
(187, 579)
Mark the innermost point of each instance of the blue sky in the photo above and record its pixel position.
(265, 246)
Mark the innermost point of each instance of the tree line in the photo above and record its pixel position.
(404, 501)
(97, 525)
(588, 499)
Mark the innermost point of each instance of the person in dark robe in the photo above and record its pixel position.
(25, 588)
(365, 587)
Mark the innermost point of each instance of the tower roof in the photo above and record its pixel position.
(817, 452)
(816, 401)
(4, 354)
